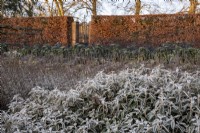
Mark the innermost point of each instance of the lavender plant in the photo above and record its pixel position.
(135, 100)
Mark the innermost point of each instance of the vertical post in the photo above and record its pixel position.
(75, 33)
(84, 32)
(81, 32)
(89, 34)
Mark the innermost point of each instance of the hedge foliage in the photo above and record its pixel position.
(151, 30)
(36, 30)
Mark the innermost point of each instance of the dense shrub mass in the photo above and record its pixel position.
(134, 100)
(145, 29)
(36, 30)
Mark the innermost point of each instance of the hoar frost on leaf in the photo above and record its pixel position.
(134, 100)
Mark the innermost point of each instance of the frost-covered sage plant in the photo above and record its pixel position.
(139, 100)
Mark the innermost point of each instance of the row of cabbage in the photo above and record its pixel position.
(165, 53)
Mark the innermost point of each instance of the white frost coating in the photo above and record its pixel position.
(134, 100)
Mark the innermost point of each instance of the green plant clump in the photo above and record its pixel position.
(167, 53)
(3, 48)
(141, 100)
